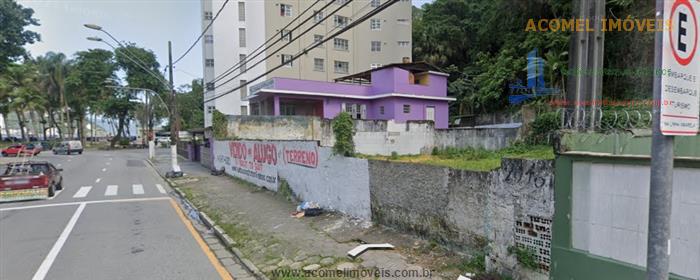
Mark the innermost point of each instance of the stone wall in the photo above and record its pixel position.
(372, 137)
(313, 173)
(510, 206)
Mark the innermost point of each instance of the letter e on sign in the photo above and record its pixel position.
(681, 82)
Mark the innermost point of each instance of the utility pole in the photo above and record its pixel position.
(661, 181)
(174, 118)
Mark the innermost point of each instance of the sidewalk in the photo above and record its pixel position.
(260, 223)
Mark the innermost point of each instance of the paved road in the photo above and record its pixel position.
(113, 220)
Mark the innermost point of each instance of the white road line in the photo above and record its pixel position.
(51, 257)
(104, 169)
(137, 189)
(58, 165)
(160, 188)
(82, 192)
(111, 190)
(86, 202)
(98, 180)
(107, 163)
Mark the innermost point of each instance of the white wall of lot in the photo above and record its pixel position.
(313, 173)
(610, 214)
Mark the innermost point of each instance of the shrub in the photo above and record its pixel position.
(219, 125)
(124, 142)
(344, 130)
(542, 128)
(525, 256)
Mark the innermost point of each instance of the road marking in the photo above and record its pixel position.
(58, 165)
(82, 192)
(98, 180)
(107, 163)
(87, 202)
(160, 188)
(51, 257)
(55, 194)
(205, 248)
(104, 169)
(111, 190)
(137, 189)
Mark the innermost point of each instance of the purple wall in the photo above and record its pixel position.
(384, 81)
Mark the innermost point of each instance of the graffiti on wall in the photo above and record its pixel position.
(258, 161)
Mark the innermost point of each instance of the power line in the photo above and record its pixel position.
(290, 41)
(201, 35)
(314, 45)
(240, 63)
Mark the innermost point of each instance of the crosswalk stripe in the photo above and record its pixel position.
(82, 192)
(111, 190)
(160, 188)
(137, 189)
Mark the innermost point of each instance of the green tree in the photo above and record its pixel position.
(14, 18)
(53, 70)
(21, 94)
(85, 84)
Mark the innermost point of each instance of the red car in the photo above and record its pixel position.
(14, 150)
(30, 180)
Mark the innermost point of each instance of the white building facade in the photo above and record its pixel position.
(245, 25)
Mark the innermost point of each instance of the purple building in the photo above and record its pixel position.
(399, 92)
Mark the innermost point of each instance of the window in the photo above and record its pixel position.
(341, 67)
(376, 46)
(209, 62)
(403, 21)
(287, 60)
(340, 21)
(207, 15)
(375, 65)
(285, 10)
(286, 35)
(244, 110)
(406, 109)
(318, 38)
(375, 3)
(208, 39)
(244, 89)
(319, 64)
(318, 16)
(210, 86)
(241, 11)
(381, 110)
(287, 110)
(341, 44)
(241, 37)
(242, 59)
(404, 43)
(375, 24)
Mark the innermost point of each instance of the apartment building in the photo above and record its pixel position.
(245, 25)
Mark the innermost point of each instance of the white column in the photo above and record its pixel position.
(173, 155)
(151, 149)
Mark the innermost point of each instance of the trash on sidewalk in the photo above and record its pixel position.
(218, 172)
(364, 247)
(466, 276)
(308, 209)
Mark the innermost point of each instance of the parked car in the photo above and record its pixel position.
(68, 147)
(21, 149)
(30, 180)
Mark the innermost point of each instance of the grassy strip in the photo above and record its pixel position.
(472, 159)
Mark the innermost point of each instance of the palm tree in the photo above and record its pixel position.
(24, 95)
(54, 68)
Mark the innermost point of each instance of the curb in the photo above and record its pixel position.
(218, 231)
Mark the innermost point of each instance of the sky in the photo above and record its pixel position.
(147, 23)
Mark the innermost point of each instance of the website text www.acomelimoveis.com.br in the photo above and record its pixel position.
(353, 273)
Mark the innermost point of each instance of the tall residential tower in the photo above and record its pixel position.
(245, 25)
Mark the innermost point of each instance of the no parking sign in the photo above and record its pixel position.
(680, 102)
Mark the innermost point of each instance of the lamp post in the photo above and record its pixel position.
(174, 117)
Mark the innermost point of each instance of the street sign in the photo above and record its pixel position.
(680, 82)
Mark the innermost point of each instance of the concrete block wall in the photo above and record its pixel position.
(372, 137)
(466, 208)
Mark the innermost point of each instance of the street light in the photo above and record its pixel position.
(176, 171)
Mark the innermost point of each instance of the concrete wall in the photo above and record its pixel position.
(610, 213)
(372, 137)
(312, 172)
(511, 206)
